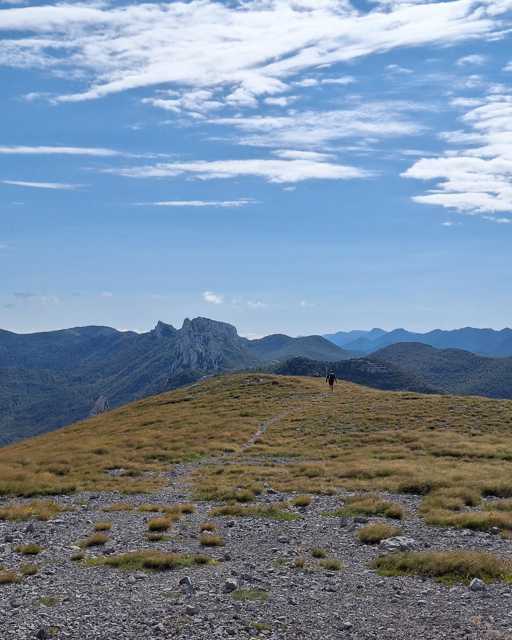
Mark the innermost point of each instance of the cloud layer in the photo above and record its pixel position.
(250, 48)
(477, 179)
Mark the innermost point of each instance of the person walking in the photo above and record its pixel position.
(331, 379)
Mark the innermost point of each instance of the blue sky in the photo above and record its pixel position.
(298, 166)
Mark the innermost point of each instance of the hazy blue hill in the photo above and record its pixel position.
(452, 370)
(488, 342)
(281, 347)
(343, 338)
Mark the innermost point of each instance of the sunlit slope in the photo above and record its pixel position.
(310, 440)
(147, 437)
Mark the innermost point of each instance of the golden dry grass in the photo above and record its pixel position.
(447, 566)
(96, 540)
(28, 549)
(103, 526)
(374, 533)
(151, 561)
(146, 436)
(207, 539)
(8, 577)
(35, 509)
(159, 524)
(452, 450)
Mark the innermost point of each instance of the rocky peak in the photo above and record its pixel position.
(163, 330)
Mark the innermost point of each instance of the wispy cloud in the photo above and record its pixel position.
(36, 297)
(252, 48)
(472, 60)
(279, 171)
(212, 298)
(316, 128)
(43, 185)
(222, 204)
(68, 151)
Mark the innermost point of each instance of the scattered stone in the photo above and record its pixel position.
(230, 585)
(477, 585)
(399, 543)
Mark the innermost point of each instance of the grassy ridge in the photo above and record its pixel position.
(145, 438)
(453, 450)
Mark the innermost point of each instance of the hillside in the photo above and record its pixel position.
(254, 505)
(52, 379)
(367, 371)
(451, 370)
(486, 342)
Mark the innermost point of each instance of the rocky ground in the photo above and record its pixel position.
(73, 600)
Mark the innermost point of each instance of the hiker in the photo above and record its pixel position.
(331, 379)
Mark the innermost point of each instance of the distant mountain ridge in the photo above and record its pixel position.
(51, 379)
(486, 342)
(410, 366)
(451, 370)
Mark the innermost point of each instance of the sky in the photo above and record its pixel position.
(295, 166)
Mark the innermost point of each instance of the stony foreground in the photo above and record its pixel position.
(252, 591)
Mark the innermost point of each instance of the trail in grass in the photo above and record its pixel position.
(181, 473)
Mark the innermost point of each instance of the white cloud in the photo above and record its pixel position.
(398, 69)
(252, 47)
(292, 154)
(213, 298)
(477, 179)
(106, 294)
(279, 170)
(223, 204)
(43, 185)
(282, 101)
(313, 128)
(449, 223)
(256, 304)
(473, 60)
(73, 151)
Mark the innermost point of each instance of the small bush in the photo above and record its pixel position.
(103, 526)
(207, 526)
(210, 540)
(28, 549)
(302, 501)
(446, 566)
(299, 563)
(374, 533)
(330, 564)
(96, 540)
(159, 524)
(318, 553)
(29, 569)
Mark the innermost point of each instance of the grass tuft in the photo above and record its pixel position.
(374, 533)
(273, 512)
(96, 540)
(302, 501)
(36, 509)
(103, 526)
(8, 577)
(445, 566)
(151, 561)
(28, 549)
(211, 540)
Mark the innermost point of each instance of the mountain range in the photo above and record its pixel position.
(51, 379)
(486, 342)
